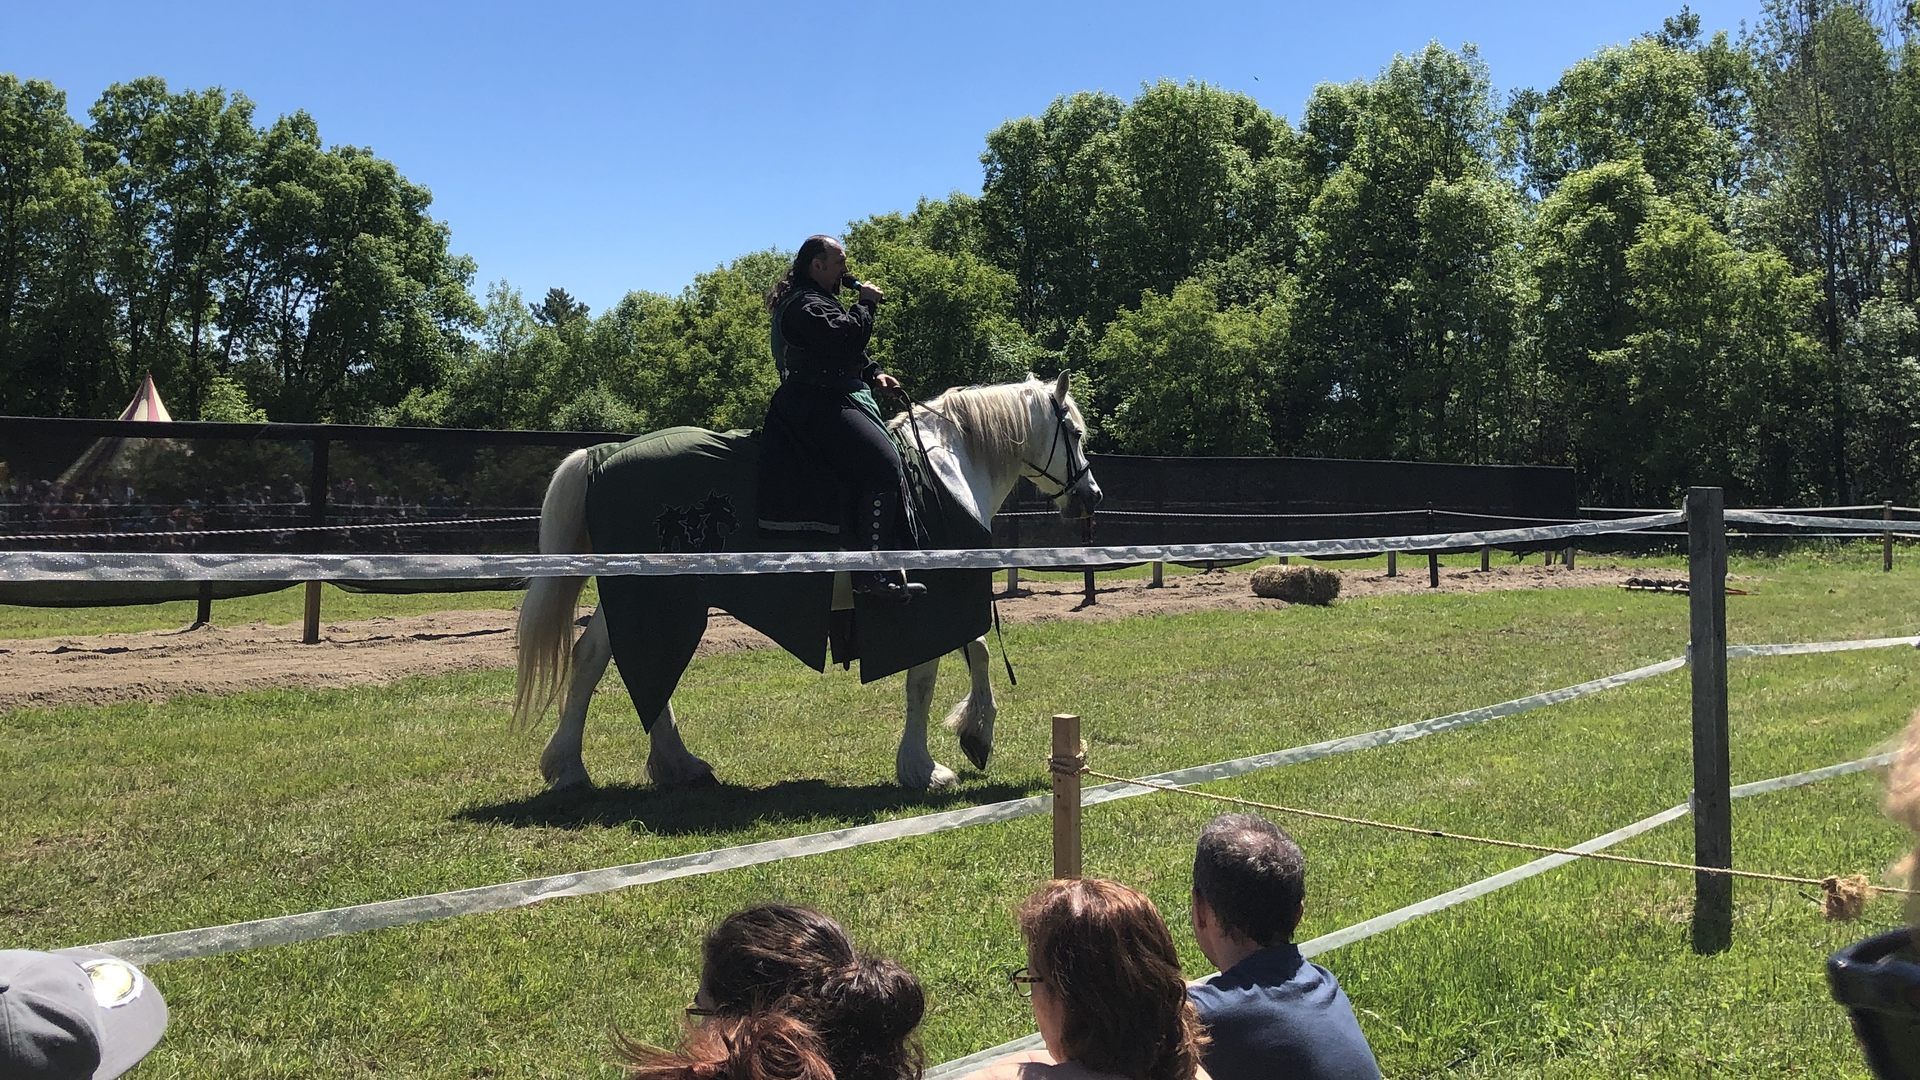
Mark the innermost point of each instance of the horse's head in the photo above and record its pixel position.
(1055, 460)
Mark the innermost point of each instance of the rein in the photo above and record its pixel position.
(1060, 438)
(1053, 448)
(1074, 475)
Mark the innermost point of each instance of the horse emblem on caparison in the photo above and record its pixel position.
(700, 526)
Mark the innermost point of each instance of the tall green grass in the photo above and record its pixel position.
(140, 818)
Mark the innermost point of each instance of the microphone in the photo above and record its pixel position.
(848, 281)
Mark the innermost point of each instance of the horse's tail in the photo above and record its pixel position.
(547, 612)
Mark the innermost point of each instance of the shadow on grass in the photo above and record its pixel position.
(724, 807)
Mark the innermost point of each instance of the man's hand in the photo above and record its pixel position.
(884, 381)
(870, 295)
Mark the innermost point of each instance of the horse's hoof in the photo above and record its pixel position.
(976, 748)
(697, 775)
(569, 779)
(938, 778)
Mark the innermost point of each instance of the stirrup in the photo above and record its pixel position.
(886, 586)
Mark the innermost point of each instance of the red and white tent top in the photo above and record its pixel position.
(146, 404)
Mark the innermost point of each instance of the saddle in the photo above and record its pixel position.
(799, 496)
(689, 489)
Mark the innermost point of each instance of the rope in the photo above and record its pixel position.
(1236, 516)
(1841, 896)
(1769, 509)
(1075, 765)
(185, 533)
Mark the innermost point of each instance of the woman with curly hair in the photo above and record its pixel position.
(784, 995)
(1107, 992)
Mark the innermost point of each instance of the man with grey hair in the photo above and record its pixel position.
(1270, 1012)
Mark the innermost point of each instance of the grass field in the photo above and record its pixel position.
(137, 819)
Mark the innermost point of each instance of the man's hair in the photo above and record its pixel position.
(1252, 875)
(813, 247)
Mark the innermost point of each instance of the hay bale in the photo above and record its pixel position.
(1297, 584)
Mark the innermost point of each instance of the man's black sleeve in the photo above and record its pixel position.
(835, 336)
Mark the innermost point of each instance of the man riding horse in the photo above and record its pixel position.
(824, 414)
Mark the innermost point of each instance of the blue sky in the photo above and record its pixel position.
(606, 147)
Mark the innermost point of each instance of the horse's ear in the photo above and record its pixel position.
(1060, 387)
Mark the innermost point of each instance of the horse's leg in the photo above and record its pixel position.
(972, 716)
(669, 764)
(653, 626)
(560, 762)
(914, 766)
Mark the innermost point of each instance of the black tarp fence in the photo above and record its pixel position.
(110, 485)
(115, 485)
(1165, 500)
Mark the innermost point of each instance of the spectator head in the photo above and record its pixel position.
(784, 993)
(75, 1014)
(1249, 885)
(1106, 983)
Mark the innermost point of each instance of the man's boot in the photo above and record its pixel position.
(886, 586)
(881, 522)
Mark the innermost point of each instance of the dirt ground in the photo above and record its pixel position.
(162, 664)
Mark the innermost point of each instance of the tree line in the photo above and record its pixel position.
(1691, 260)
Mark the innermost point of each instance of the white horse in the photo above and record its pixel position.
(980, 441)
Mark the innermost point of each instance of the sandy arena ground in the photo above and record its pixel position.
(162, 664)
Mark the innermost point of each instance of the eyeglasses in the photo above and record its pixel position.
(699, 1011)
(1022, 982)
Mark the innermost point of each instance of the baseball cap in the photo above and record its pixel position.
(76, 1014)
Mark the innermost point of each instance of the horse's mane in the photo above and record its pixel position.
(990, 418)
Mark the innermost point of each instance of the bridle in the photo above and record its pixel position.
(1061, 437)
(1061, 427)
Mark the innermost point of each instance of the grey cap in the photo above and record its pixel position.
(75, 1014)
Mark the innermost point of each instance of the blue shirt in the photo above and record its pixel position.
(1274, 1015)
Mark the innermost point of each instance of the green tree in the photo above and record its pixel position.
(173, 165)
(1464, 289)
(1044, 179)
(1649, 99)
(227, 402)
(1825, 102)
(1204, 175)
(1182, 376)
(1582, 309)
(57, 342)
(1901, 135)
(1882, 354)
(722, 376)
(633, 344)
(1720, 373)
(948, 318)
(350, 298)
(558, 309)
(497, 383)
(1407, 279)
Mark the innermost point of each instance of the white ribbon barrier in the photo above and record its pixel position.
(1391, 919)
(156, 566)
(1805, 648)
(332, 922)
(1381, 923)
(1864, 525)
